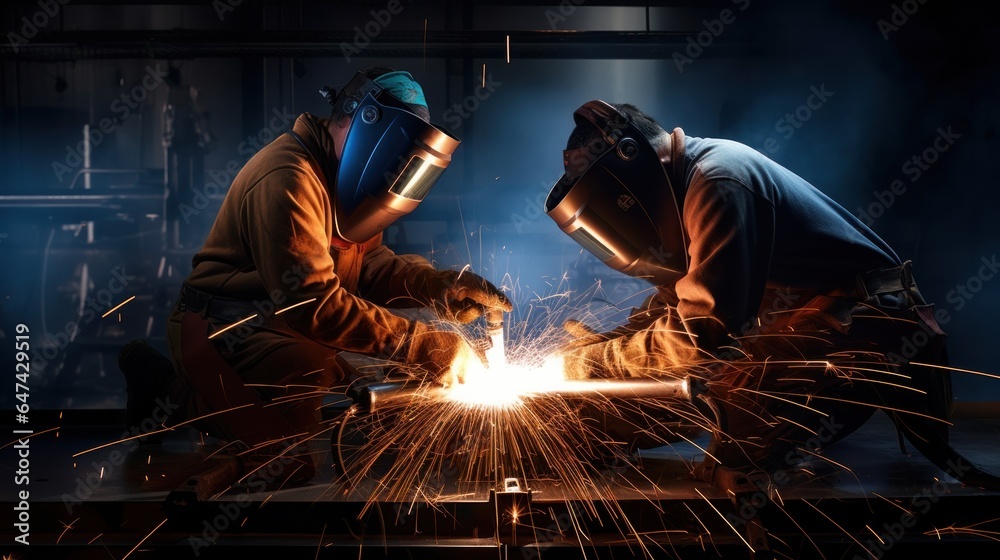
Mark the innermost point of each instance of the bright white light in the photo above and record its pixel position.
(503, 384)
(496, 356)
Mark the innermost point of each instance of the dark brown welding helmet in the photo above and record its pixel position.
(616, 200)
(392, 155)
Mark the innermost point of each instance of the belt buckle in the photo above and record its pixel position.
(196, 300)
(863, 286)
(906, 275)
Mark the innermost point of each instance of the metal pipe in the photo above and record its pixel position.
(375, 397)
(86, 155)
(637, 389)
(385, 395)
(87, 171)
(74, 201)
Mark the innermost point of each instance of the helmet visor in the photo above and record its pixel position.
(622, 210)
(416, 179)
(391, 160)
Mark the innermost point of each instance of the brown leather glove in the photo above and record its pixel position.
(592, 354)
(437, 355)
(465, 296)
(584, 362)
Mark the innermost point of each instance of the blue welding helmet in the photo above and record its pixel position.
(392, 156)
(617, 202)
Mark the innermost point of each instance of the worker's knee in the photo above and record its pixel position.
(330, 374)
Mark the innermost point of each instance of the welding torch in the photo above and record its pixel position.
(494, 321)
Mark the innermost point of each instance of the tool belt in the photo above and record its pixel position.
(889, 291)
(890, 280)
(223, 310)
(885, 281)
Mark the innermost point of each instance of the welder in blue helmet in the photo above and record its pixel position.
(788, 307)
(297, 248)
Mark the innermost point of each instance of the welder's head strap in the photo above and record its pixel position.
(403, 87)
(400, 85)
(608, 122)
(883, 281)
(604, 118)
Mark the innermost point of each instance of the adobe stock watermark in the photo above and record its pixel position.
(964, 292)
(122, 107)
(223, 7)
(460, 111)
(222, 179)
(256, 312)
(534, 208)
(31, 25)
(791, 122)
(547, 536)
(131, 439)
(230, 512)
(899, 14)
(713, 29)
(750, 503)
(560, 14)
(364, 35)
(436, 482)
(920, 504)
(93, 308)
(913, 168)
(958, 297)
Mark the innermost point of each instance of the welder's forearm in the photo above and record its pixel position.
(653, 351)
(341, 320)
(397, 281)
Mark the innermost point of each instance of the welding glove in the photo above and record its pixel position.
(592, 354)
(595, 354)
(464, 296)
(584, 362)
(442, 356)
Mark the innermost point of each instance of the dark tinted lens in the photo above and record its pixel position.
(590, 243)
(416, 179)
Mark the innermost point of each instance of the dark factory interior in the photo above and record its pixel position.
(127, 124)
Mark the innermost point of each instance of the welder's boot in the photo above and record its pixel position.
(156, 396)
(921, 416)
(929, 441)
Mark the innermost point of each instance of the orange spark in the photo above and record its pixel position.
(112, 310)
(144, 539)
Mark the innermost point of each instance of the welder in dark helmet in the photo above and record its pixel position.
(785, 304)
(296, 253)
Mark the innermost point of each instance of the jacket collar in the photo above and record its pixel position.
(672, 156)
(318, 142)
